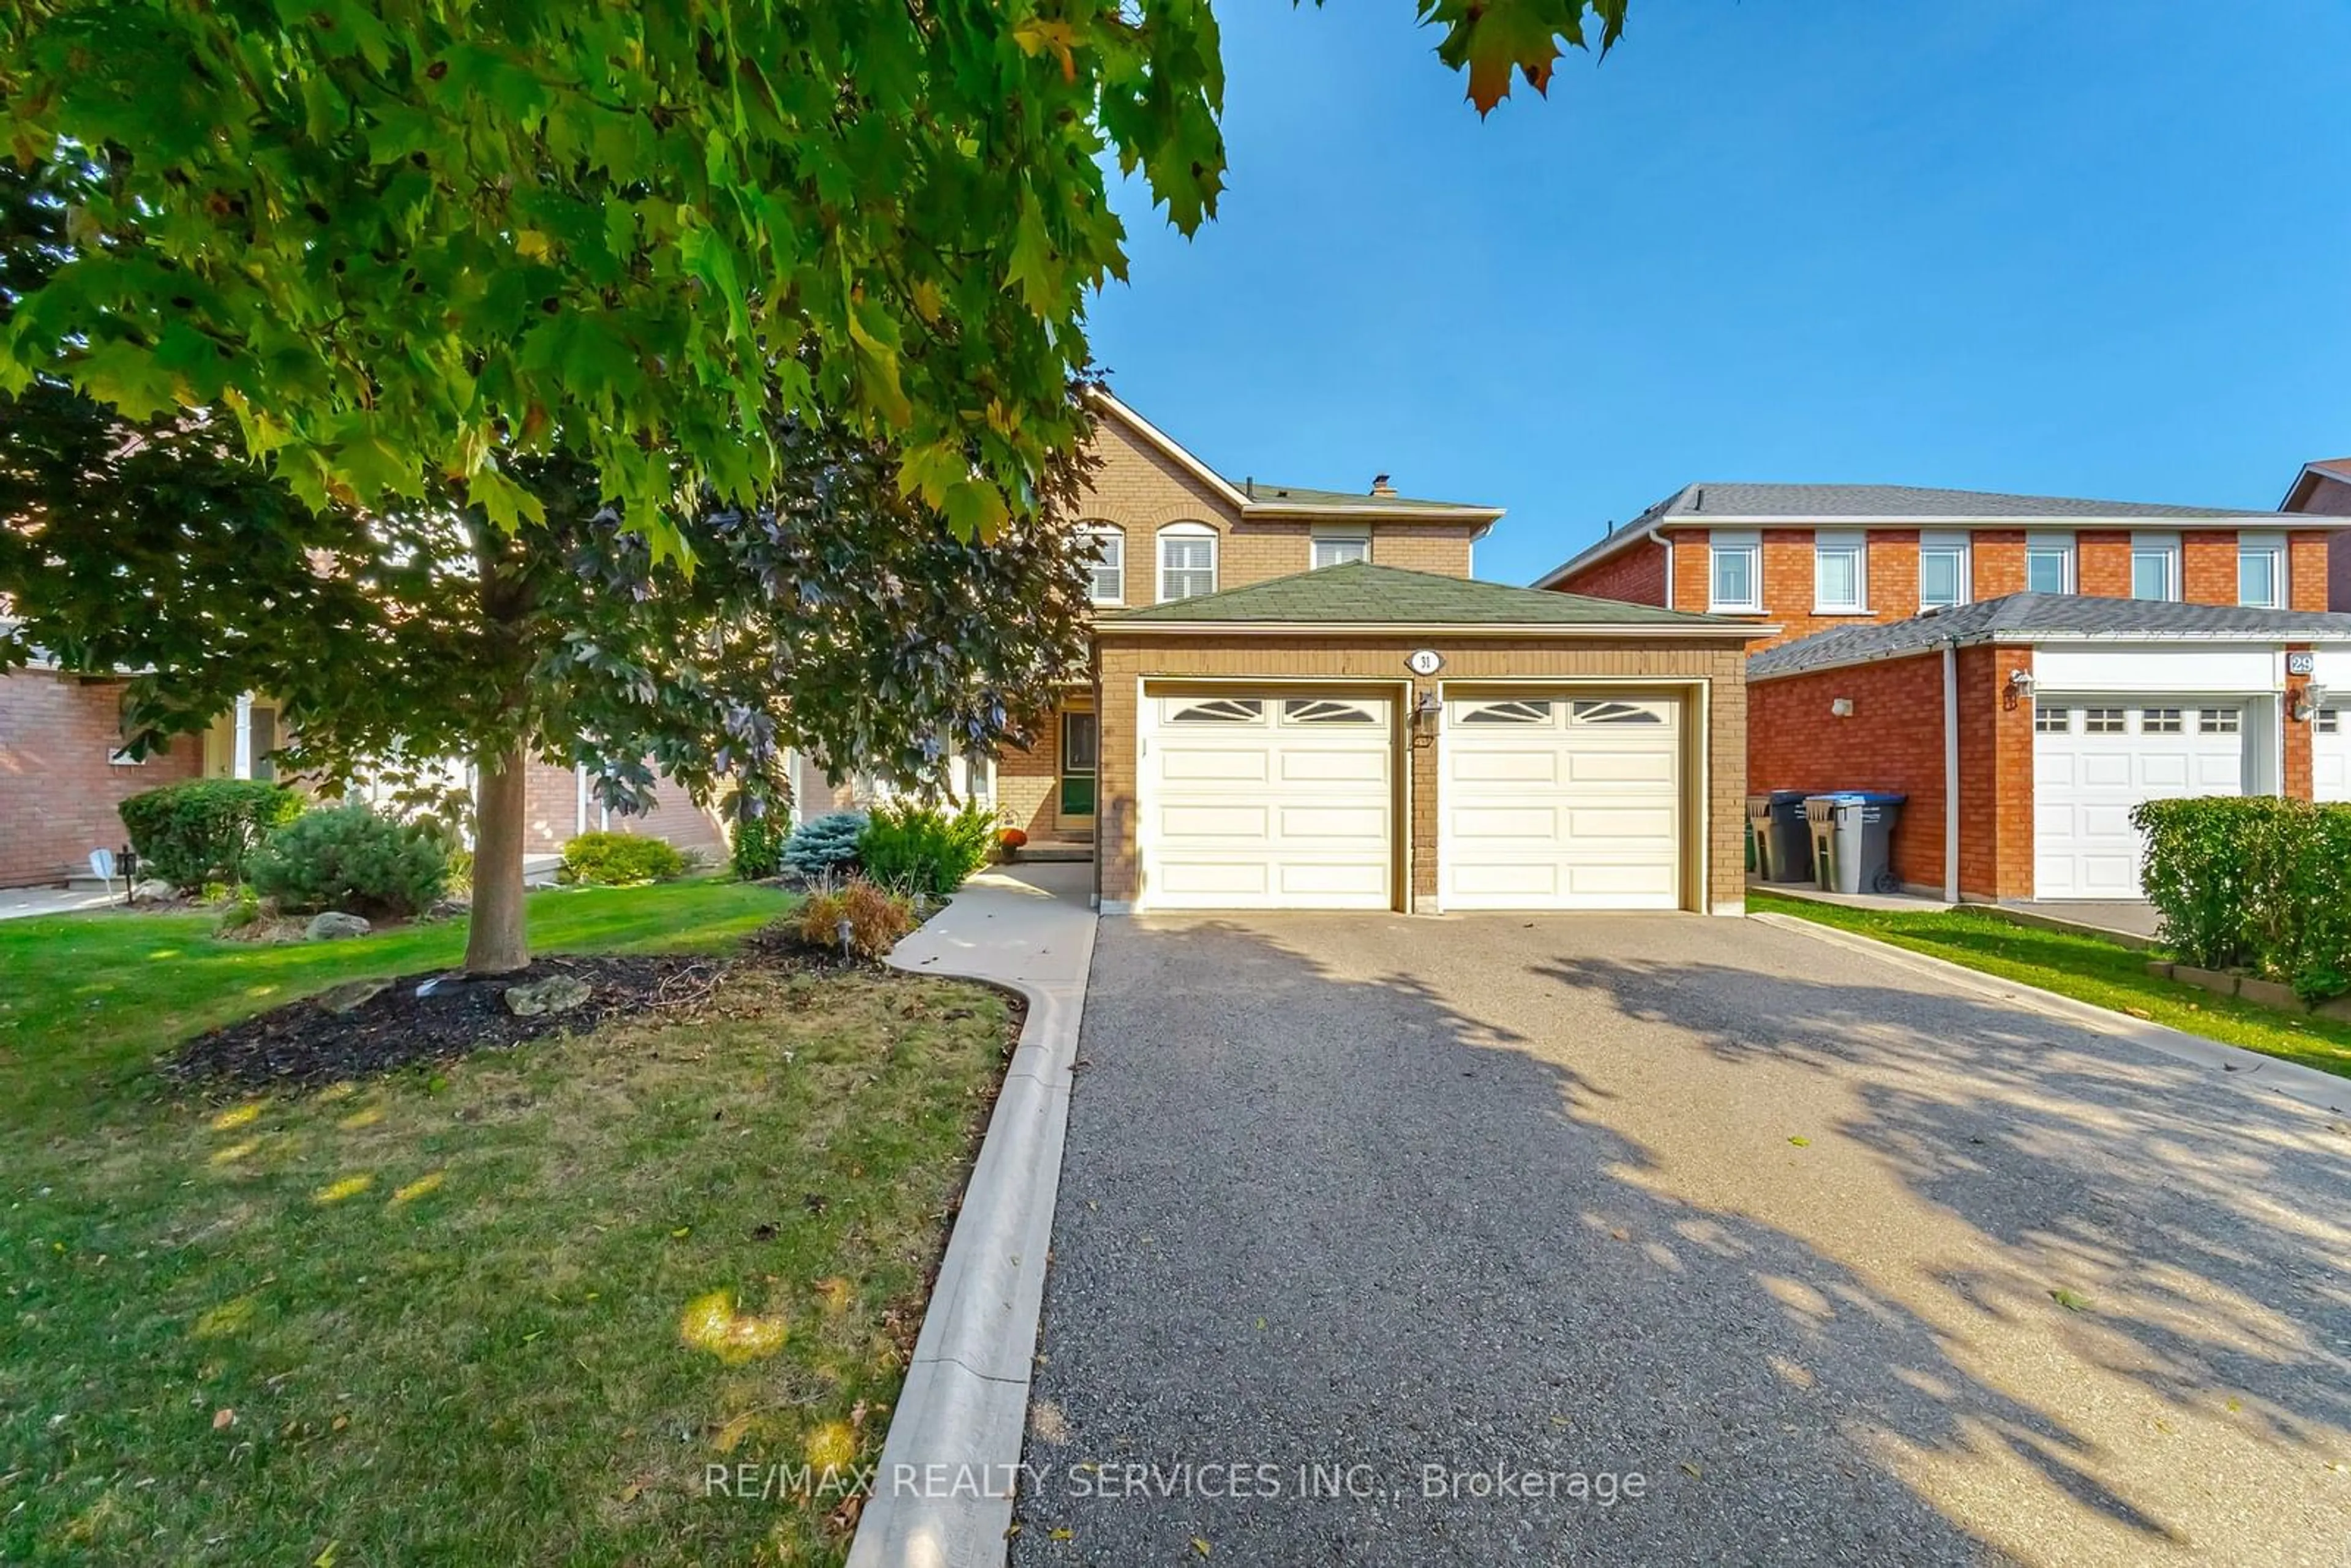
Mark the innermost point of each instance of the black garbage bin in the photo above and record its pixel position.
(1775, 826)
(1853, 840)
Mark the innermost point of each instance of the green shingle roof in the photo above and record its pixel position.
(1360, 593)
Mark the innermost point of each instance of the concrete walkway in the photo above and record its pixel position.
(941, 1495)
(23, 903)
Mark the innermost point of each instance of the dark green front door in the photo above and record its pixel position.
(1080, 745)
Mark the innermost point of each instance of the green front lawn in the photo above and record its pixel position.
(505, 1309)
(2087, 969)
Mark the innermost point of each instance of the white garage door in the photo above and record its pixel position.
(2093, 761)
(1561, 802)
(1268, 800)
(2330, 755)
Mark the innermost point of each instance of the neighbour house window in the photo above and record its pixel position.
(1109, 569)
(2102, 721)
(2261, 571)
(1187, 560)
(1338, 546)
(2160, 721)
(1943, 574)
(2219, 721)
(2049, 563)
(1737, 571)
(2155, 566)
(2050, 720)
(1839, 561)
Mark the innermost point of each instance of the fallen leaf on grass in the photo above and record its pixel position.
(223, 1419)
(2069, 1300)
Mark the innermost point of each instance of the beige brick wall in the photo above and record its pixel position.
(552, 815)
(1123, 661)
(1141, 490)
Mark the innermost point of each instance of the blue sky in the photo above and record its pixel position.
(2100, 247)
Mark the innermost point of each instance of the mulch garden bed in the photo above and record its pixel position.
(355, 1028)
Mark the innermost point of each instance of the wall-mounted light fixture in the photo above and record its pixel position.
(1841, 707)
(2308, 701)
(2020, 681)
(1425, 712)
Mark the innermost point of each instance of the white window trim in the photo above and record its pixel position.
(1751, 542)
(1959, 544)
(1322, 533)
(1842, 541)
(2272, 544)
(2059, 545)
(1099, 531)
(2148, 544)
(1186, 532)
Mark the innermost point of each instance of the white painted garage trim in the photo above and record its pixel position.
(1694, 759)
(2158, 671)
(1395, 697)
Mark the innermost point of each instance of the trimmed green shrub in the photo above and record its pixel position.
(756, 850)
(614, 859)
(922, 849)
(2255, 884)
(206, 830)
(347, 858)
(825, 846)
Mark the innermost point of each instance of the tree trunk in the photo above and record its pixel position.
(497, 941)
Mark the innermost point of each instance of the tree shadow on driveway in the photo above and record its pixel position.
(1743, 1214)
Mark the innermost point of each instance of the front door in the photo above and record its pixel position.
(1080, 746)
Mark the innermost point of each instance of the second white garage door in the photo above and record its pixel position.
(2093, 761)
(1268, 799)
(1560, 803)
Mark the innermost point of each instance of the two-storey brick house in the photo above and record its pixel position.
(1302, 698)
(2025, 668)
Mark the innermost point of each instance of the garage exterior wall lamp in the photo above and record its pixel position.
(2308, 701)
(1425, 712)
(2020, 681)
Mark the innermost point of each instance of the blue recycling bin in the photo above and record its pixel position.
(1853, 840)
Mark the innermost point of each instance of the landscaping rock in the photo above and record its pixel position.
(334, 925)
(2339, 1010)
(2271, 994)
(2158, 968)
(556, 993)
(351, 994)
(152, 890)
(449, 909)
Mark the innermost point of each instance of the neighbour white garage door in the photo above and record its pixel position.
(1561, 802)
(2330, 755)
(1267, 799)
(2093, 760)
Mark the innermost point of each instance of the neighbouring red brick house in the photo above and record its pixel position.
(2323, 488)
(2025, 669)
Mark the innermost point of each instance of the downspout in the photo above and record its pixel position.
(1951, 770)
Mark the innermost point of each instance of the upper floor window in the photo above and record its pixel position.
(1108, 568)
(1337, 547)
(1943, 575)
(2155, 566)
(2049, 563)
(1187, 560)
(2261, 571)
(1840, 570)
(1736, 568)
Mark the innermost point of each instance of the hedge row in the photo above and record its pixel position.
(2262, 885)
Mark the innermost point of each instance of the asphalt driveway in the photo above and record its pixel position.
(1666, 1239)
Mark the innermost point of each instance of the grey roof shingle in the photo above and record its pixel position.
(1362, 593)
(1265, 495)
(2028, 617)
(1888, 501)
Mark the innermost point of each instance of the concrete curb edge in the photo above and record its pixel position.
(942, 1493)
(2231, 1066)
